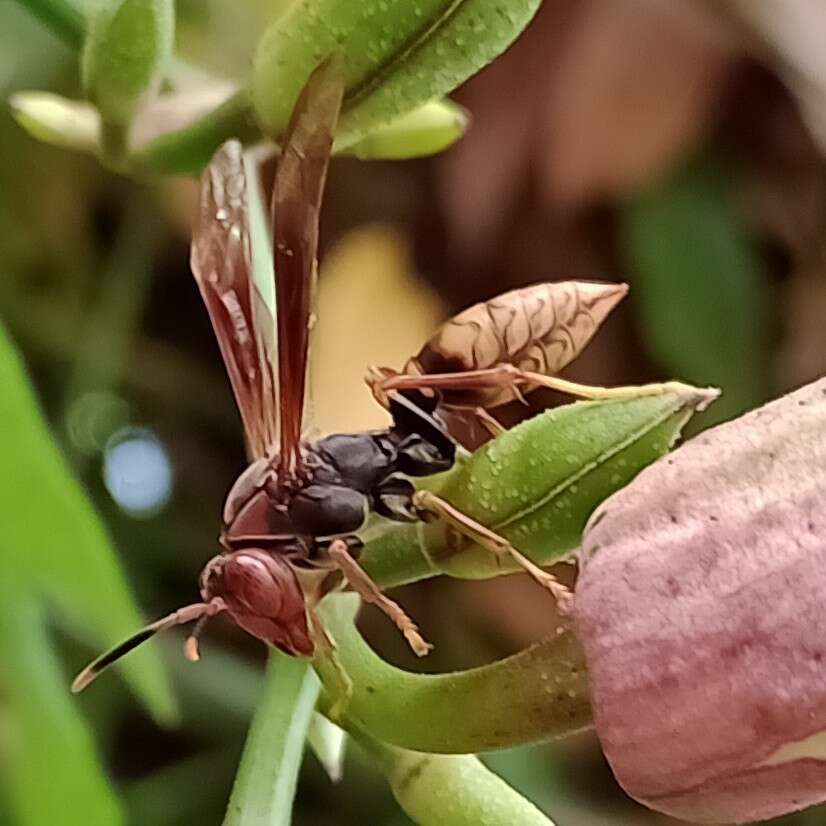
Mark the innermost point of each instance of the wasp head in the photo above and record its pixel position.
(262, 594)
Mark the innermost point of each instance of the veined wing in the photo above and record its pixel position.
(242, 318)
(296, 203)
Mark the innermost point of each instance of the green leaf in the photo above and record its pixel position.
(424, 131)
(538, 694)
(538, 483)
(53, 544)
(127, 52)
(699, 284)
(399, 54)
(265, 784)
(57, 121)
(50, 766)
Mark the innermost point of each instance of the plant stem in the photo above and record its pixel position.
(535, 695)
(100, 352)
(62, 17)
(187, 151)
(265, 784)
(456, 790)
(114, 143)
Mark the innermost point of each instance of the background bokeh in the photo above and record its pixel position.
(675, 145)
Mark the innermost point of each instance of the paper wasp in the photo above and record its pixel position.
(291, 520)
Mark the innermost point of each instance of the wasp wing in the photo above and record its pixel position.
(296, 203)
(241, 312)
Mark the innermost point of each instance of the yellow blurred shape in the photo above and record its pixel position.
(371, 310)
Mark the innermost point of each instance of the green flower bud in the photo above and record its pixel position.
(425, 131)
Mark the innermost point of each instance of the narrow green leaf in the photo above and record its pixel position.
(55, 120)
(64, 18)
(265, 784)
(53, 543)
(698, 283)
(127, 52)
(399, 54)
(49, 764)
(538, 694)
(538, 483)
(424, 131)
(329, 744)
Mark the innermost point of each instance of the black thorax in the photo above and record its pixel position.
(344, 478)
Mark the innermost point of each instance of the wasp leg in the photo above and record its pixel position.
(494, 427)
(393, 499)
(428, 502)
(481, 424)
(369, 592)
(342, 692)
(508, 375)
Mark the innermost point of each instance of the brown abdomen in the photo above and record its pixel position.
(540, 328)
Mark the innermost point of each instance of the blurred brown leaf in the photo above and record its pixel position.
(793, 34)
(481, 178)
(785, 180)
(637, 87)
(802, 356)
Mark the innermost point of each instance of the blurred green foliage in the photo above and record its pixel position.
(699, 284)
(54, 551)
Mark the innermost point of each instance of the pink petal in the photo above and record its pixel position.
(702, 609)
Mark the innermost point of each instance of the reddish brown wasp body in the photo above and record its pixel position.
(292, 518)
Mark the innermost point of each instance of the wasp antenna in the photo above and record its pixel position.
(191, 651)
(179, 617)
(191, 645)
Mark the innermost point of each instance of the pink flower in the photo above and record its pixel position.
(702, 609)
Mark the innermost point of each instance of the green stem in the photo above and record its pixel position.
(265, 784)
(187, 151)
(537, 694)
(456, 790)
(100, 352)
(114, 145)
(62, 17)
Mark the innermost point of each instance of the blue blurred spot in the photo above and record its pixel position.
(137, 472)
